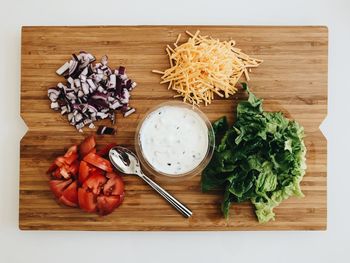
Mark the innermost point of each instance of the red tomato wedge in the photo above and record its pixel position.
(71, 155)
(114, 186)
(52, 168)
(106, 204)
(84, 170)
(58, 186)
(74, 168)
(99, 162)
(105, 150)
(57, 174)
(93, 150)
(86, 200)
(95, 182)
(60, 161)
(64, 171)
(71, 151)
(70, 195)
(87, 145)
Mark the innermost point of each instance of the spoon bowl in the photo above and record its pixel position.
(126, 162)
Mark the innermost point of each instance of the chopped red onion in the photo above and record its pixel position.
(99, 96)
(125, 96)
(112, 117)
(98, 65)
(106, 110)
(70, 116)
(112, 81)
(71, 95)
(104, 60)
(77, 83)
(92, 91)
(91, 84)
(55, 105)
(116, 104)
(61, 86)
(53, 96)
(104, 130)
(79, 126)
(70, 80)
(87, 121)
(78, 117)
(121, 70)
(64, 110)
(55, 90)
(75, 57)
(102, 115)
(123, 77)
(100, 89)
(133, 85)
(129, 112)
(80, 93)
(63, 69)
(73, 64)
(84, 72)
(85, 88)
(92, 109)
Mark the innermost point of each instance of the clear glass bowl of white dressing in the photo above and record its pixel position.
(174, 140)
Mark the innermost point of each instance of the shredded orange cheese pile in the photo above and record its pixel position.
(203, 66)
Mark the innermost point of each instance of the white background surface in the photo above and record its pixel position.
(331, 245)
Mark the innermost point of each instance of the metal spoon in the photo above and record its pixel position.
(127, 162)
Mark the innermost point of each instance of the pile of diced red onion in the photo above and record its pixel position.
(92, 91)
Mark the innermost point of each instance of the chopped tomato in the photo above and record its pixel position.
(87, 145)
(57, 174)
(58, 186)
(82, 177)
(70, 195)
(64, 171)
(71, 155)
(86, 200)
(52, 168)
(95, 169)
(121, 198)
(74, 168)
(106, 204)
(63, 200)
(84, 170)
(105, 150)
(60, 161)
(93, 150)
(95, 182)
(99, 162)
(114, 186)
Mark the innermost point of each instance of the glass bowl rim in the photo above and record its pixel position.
(195, 171)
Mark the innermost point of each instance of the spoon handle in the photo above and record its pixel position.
(172, 200)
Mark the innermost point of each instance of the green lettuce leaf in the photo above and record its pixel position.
(261, 159)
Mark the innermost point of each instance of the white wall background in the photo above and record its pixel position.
(332, 245)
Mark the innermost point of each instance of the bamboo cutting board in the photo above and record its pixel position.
(292, 79)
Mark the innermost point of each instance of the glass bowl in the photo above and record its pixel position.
(151, 170)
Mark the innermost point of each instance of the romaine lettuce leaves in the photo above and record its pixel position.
(261, 158)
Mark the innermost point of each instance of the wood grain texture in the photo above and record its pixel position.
(292, 79)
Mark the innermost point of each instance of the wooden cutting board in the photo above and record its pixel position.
(292, 79)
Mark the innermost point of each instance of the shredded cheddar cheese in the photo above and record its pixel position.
(203, 66)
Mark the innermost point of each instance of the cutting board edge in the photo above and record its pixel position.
(323, 227)
(320, 26)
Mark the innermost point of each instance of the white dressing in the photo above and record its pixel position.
(174, 140)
